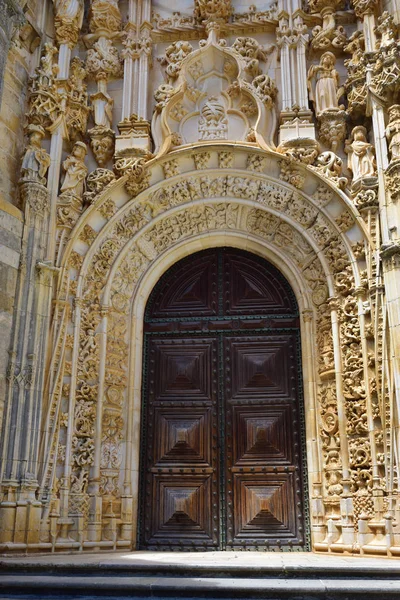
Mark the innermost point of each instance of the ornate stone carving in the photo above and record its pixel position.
(44, 101)
(186, 113)
(213, 122)
(364, 7)
(75, 173)
(103, 60)
(366, 199)
(36, 161)
(135, 169)
(225, 160)
(332, 128)
(303, 150)
(104, 17)
(330, 166)
(329, 35)
(36, 197)
(102, 142)
(77, 101)
(292, 174)
(201, 159)
(356, 83)
(252, 52)
(385, 81)
(326, 93)
(393, 132)
(265, 89)
(96, 182)
(174, 55)
(212, 10)
(392, 176)
(361, 156)
(68, 21)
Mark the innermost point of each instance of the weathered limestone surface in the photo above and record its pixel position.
(151, 134)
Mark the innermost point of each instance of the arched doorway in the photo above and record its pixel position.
(222, 449)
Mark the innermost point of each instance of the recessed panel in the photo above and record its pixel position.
(183, 369)
(253, 286)
(181, 510)
(260, 367)
(263, 434)
(188, 289)
(264, 509)
(182, 437)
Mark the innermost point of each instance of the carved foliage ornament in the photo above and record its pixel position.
(104, 16)
(68, 20)
(212, 10)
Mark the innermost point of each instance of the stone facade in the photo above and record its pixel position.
(151, 135)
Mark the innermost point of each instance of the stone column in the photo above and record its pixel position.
(20, 511)
(296, 117)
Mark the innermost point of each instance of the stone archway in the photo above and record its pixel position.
(115, 256)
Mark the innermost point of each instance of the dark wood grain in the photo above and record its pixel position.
(221, 466)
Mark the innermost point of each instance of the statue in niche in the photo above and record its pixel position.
(361, 154)
(213, 124)
(393, 131)
(75, 172)
(36, 161)
(326, 93)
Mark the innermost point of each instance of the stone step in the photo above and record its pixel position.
(72, 586)
(190, 576)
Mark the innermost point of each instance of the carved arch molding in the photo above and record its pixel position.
(120, 247)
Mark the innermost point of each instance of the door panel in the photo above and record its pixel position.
(180, 504)
(221, 447)
(263, 460)
(259, 367)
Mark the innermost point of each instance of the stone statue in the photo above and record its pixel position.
(36, 161)
(393, 131)
(75, 172)
(361, 154)
(325, 96)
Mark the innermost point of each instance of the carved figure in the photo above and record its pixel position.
(361, 154)
(75, 172)
(325, 96)
(36, 161)
(393, 131)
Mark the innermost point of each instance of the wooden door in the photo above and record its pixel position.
(222, 419)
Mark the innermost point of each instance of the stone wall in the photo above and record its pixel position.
(20, 37)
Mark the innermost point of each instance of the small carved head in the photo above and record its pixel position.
(79, 150)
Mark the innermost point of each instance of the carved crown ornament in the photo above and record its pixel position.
(214, 94)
